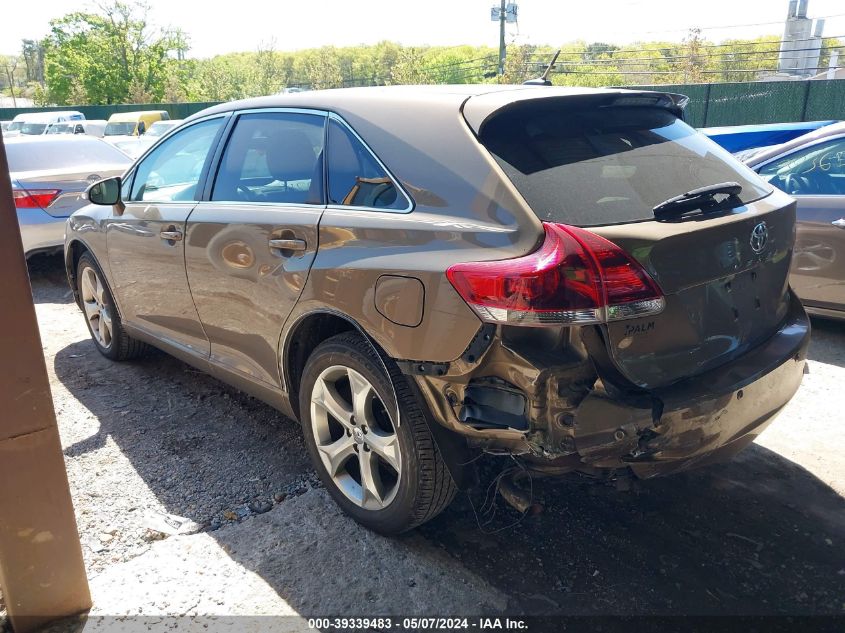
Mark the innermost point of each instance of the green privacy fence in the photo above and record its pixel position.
(710, 104)
(761, 102)
(176, 110)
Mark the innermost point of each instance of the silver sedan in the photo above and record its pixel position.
(49, 176)
(811, 168)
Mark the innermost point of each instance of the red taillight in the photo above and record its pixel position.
(575, 277)
(34, 198)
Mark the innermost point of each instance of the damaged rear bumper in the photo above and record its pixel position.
(705, 418)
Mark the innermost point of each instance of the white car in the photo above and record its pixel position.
(91, 127)
(35, 123)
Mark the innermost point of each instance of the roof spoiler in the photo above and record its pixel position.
(479, 108)
(668, 100)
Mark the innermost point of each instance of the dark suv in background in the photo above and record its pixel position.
(571, 276)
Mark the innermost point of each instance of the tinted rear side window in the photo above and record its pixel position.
(589, 166)
(355, 176)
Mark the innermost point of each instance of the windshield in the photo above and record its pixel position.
(590, 166)
(15, 126)
(61, 128)
(33, 128)
(60, 153)
(120, 128)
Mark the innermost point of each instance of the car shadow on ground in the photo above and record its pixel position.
(824, 347)
(760, 535)
(48, 279)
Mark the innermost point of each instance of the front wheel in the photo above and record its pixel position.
(389, 477)
(101, 315)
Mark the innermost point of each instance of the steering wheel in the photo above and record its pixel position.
(795, 184)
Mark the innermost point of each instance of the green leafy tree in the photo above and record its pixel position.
(268, 76)
(322, 68)
(33, 57)
(10, 78)
(518, 65)
(114, 55)
(409, 68)
(694, 61)
(599, 50)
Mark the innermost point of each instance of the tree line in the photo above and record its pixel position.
(117, 55)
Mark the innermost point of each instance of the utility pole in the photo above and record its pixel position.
(502, 53)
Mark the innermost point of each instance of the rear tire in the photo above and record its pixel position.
(101, 316)
(390, 479)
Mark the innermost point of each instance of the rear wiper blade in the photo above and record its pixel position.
(700, 198)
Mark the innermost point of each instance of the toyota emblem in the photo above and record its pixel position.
(759, 237)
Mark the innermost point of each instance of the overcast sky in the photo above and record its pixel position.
(240, 26)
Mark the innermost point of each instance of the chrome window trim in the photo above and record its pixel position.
(133, 169)
(396, 183)
(236, 114)
(329, 115)
(155, 203)
(314, 111)
(247, 203)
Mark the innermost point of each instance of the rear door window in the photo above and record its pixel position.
(356, 178)
(273, 157)
(591, 166)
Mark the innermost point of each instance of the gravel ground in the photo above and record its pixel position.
(155, 438)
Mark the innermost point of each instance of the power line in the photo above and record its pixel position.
(738, 26)
(465, 65)
(675, 72)
(707, 46)
(718, 56)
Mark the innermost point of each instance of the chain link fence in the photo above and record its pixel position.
(761, 102)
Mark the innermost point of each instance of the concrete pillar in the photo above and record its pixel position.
(41, 570)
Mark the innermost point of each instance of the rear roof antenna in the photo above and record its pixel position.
(543, 80)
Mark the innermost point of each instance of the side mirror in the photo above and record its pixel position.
(105, 192)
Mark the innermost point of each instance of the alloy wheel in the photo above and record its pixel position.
(355, 437)
(96, 310)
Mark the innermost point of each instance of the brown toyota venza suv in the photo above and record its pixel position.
(572, 277)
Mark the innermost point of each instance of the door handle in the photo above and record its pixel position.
(288, 244)
(171, 236)
(840, 223)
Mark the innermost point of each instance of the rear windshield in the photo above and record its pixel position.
(589, 166)
(119, 128)
(63, 153)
